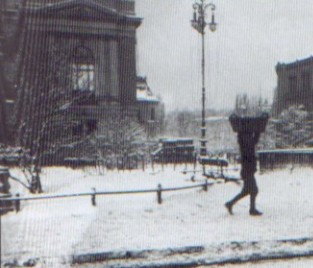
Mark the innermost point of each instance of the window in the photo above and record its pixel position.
(152, 114)
(83, 77)
(91, 126)
(139, 115)
(83, 70)
(78, 129)
(306, 80)
(293, 87)
(85, 127)
(292, 83)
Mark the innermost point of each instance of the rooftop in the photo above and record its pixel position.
(296, 63)
(144, 92)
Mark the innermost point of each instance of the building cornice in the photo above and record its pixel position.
(295, 64)
(83, 10)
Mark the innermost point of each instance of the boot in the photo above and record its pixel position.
(229, 207)
(255, 212)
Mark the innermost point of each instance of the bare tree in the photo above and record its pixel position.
(292, 128)
(44, 113)
(119, 141)
(246, 106)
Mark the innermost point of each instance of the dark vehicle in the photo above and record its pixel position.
(180, 150)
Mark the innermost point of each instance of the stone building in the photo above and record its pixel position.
(85, 49)
(3, 135)
(294, 86)
(150, 109)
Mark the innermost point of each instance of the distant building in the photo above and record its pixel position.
(150, 110)
(294, 85)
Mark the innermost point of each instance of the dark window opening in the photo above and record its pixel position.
(84, 128)
(292, 83)
(152, 114)
(306, 81)
(293, 87)
(78, 129)
(139, 117)
(91, 126)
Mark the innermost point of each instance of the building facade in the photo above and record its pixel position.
(150, 109)
(294, 85)
(78, 56)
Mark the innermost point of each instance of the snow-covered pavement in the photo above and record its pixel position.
(54, 230)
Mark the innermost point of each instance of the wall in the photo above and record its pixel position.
(294, 85)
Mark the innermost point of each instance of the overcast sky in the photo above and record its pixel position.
(251, 38)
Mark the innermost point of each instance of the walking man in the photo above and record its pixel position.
(247, 141)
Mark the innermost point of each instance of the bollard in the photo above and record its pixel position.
(93, 197)
(159, 194)
(205, 185)
(222, 171)
(17, 203)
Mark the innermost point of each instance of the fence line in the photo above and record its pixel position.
(102, 193)
(93, 194)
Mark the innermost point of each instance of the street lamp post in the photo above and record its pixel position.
(199, 23)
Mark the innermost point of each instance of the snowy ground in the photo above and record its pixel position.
(55, 230)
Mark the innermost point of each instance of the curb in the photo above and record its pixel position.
(194, 256)
(232, 252)
(253, 258)
(128, 255)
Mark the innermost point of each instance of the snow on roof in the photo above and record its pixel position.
(144, 93)
(176, 138)
(216, 118)
(288, 151)
(295, 63)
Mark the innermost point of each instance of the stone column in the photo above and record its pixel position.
(114, 68)
(102, 58)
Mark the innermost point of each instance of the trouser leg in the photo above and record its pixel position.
(253, 195)
(252, 201)
(253, 189)
(241, 195)
(229, 204)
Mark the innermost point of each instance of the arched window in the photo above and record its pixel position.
(83, 70)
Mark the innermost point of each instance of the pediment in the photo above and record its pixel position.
(82, 10)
